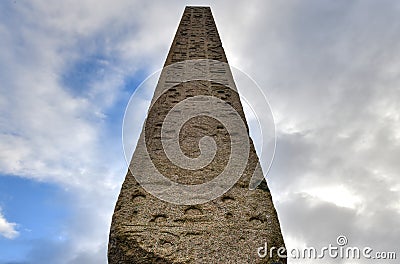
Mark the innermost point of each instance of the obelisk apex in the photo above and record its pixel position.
(186, 196)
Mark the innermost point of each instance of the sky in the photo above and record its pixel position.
(330, 70)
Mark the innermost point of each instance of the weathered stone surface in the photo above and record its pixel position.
(228, 229)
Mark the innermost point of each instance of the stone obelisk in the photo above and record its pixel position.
(186, 196)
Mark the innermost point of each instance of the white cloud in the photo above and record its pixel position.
(7, 229)
(52, 132)
(338, 195)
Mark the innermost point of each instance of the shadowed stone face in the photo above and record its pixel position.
(225, 228)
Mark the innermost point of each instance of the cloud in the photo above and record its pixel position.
(331, 73)
(7, 229)
(69, 70)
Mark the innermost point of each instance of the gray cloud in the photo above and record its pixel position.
(329, 69)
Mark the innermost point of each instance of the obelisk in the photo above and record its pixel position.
(186, 196)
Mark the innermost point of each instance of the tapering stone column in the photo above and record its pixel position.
(186, 197)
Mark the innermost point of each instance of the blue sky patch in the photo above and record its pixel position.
(39, 209)
(78, 77)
